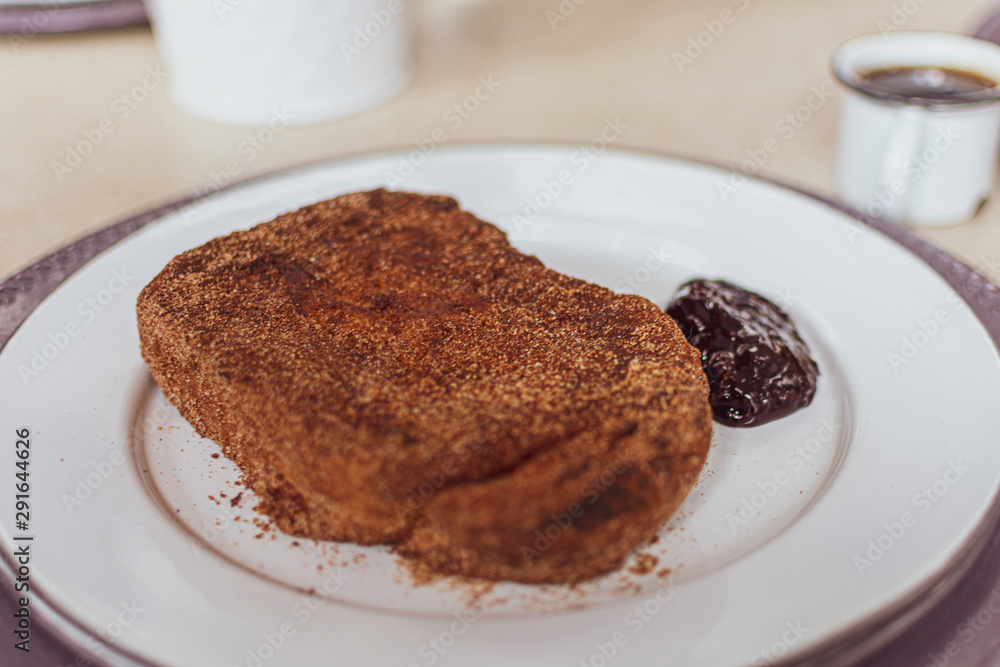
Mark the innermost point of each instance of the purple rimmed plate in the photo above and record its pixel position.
(797, 580)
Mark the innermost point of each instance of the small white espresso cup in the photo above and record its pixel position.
(257, 62)
(918, 161)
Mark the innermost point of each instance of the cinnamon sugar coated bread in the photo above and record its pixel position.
(385, 368)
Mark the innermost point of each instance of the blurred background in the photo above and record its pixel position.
(560, 70)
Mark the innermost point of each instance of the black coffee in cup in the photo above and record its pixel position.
(931, 85)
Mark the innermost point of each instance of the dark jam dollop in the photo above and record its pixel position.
(758, 367)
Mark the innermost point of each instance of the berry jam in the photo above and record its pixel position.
(758, 367)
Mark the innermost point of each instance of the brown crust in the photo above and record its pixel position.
(385, 368)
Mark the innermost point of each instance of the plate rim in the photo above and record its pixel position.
(71, 16)
(22, 292)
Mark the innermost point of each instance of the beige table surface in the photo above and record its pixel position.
(608, 59)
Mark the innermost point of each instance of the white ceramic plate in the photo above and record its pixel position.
(799, 531)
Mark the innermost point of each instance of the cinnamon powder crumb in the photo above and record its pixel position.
(644, 564)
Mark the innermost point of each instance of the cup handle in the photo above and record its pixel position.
(903, 145)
